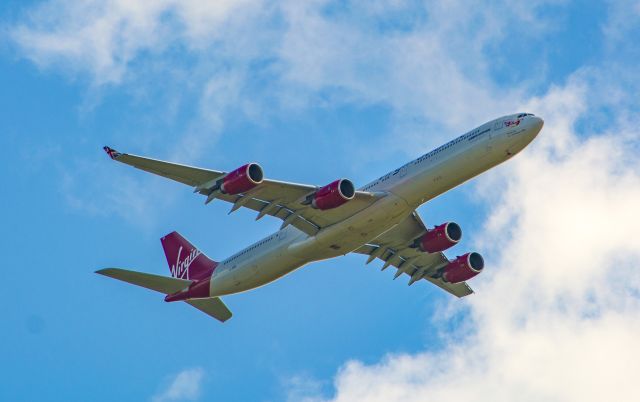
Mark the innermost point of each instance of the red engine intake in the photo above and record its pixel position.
(242, 179)
(463, 268)
(333, 195)
(440, 238)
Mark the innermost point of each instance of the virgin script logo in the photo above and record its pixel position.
(510, 123)
(181, 268)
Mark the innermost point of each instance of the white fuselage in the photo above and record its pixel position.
(405, 189)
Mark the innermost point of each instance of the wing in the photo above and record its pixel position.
(275, 198)
(394, 248)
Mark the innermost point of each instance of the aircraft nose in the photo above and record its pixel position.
(536, 124)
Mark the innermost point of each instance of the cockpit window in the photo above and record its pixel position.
(521, 115)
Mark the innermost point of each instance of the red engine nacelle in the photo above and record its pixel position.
(440, 238)
(242, 179)
(333, 195)
(463, 268)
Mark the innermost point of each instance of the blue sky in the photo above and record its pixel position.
(315, 91)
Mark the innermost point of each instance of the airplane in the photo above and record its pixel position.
(378, 220)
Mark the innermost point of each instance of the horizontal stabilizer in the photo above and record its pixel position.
(158, 283)
(213, 307)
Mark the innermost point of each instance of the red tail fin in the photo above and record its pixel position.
(184, 259)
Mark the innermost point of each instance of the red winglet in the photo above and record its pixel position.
(113, 154)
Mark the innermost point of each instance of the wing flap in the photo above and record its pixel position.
(280, 210)
(457, 289)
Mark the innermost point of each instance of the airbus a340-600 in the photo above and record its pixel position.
(378, 220)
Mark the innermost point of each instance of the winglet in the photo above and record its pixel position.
(113, 154)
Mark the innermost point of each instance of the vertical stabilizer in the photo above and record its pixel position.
(185, 260)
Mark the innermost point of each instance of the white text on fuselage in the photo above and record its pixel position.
(470, 136)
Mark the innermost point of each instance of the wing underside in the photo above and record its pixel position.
(395, 249)
(283, 200)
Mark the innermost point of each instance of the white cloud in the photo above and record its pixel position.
(435, 66)
(185, 386)
(103, 37)
(133, 45)
(557, 311)
(623, 18)
(435, 70)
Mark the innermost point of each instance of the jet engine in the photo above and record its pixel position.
(242, 179)
(439, 238)
(333, 195)
(463, 268)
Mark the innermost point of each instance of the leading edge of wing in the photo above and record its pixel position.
(276, 198)
(189, 175)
